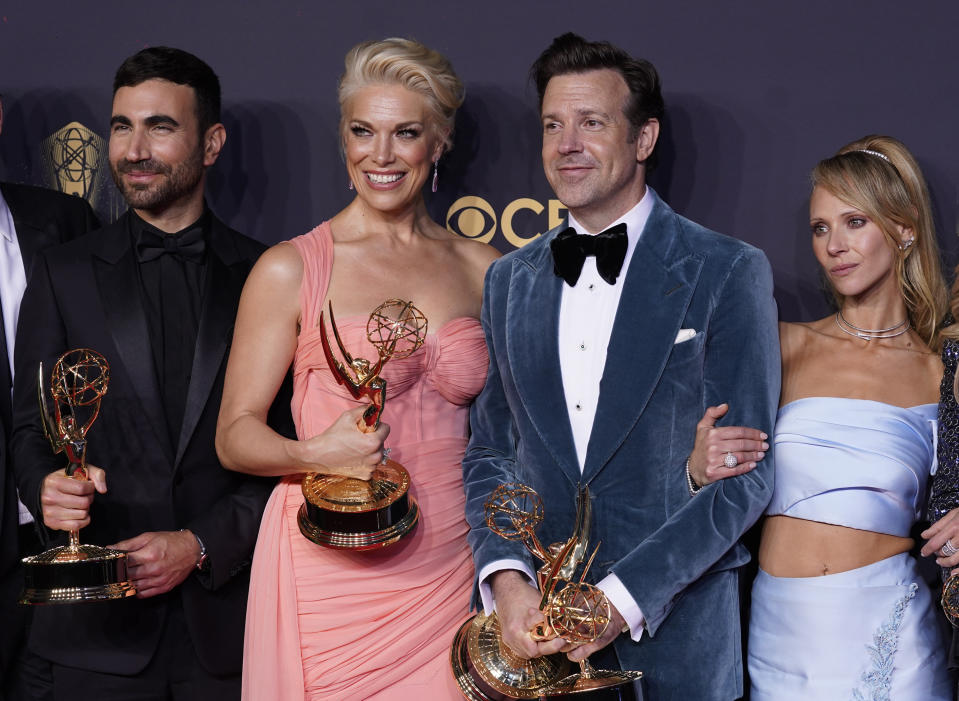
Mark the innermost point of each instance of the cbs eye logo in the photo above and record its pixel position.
(475, 218)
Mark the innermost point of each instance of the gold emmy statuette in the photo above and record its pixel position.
(354, 514)
(73, 573)
(950, 598)
(486, 669)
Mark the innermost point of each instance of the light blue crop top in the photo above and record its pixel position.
(853, 462)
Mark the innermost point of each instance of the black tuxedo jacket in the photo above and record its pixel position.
(42, 218)
(86, 294)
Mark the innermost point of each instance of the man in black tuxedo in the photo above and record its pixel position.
(31, 219)
(156, 294)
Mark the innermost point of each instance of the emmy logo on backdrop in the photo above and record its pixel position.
(73, 573)
(483, 665)
(355, 514)
(74, 160)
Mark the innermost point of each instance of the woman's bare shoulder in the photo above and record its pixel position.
(796, 337)
(478, 256)
(281, 263)
(277, 275)
(792, 332)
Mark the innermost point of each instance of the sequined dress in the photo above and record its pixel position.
(945, 483)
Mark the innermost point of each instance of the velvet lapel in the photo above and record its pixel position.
(532, 323)
(659, 285)
(221, 292)
(33, 234)
(115, 270)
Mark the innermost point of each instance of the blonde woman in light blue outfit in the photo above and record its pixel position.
(839, 609)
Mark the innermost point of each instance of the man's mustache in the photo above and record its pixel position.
(147, 166)
(575, 163)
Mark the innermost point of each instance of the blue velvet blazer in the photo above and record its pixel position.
(677, 555)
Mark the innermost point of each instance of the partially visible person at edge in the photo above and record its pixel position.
(156, 294)
(600, 367)
(942, 538)
(326, 623)
(839, 608)
(31, 219)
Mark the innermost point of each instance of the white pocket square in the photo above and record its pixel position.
(684, 335)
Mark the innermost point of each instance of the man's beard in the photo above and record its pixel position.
(178, 182)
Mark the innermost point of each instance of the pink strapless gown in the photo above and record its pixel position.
(328, 624)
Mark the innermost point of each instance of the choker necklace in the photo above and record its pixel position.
(869, 334)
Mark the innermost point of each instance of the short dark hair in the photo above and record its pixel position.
(176, 66)
(570, 53)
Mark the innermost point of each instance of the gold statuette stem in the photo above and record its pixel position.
(77, 471)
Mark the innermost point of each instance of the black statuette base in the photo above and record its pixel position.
(341, 530)
(67, 576)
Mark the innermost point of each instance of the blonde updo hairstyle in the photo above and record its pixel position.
(893, 193)
(405, 62)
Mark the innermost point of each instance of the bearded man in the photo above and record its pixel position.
(155, 293)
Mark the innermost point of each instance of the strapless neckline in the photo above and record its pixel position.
(858, 463)
(361, 319)
(452, 359)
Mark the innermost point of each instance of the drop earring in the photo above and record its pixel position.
(436, 173)
(351, 184)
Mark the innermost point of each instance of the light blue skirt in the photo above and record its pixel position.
(868, 634)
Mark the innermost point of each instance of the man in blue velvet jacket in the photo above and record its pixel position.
(598, 375)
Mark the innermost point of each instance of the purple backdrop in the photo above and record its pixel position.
(756, 94)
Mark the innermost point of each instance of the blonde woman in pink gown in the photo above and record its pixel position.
(333, 624)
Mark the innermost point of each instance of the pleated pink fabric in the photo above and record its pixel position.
(325, 624)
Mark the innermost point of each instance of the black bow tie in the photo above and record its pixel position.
(570, 250)
(187, 245)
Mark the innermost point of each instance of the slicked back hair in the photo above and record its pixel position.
(570, 53)
(410, 64)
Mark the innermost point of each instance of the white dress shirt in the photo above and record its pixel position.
(586, 315)
(13, 281)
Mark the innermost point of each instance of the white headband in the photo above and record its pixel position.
(876, 154)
